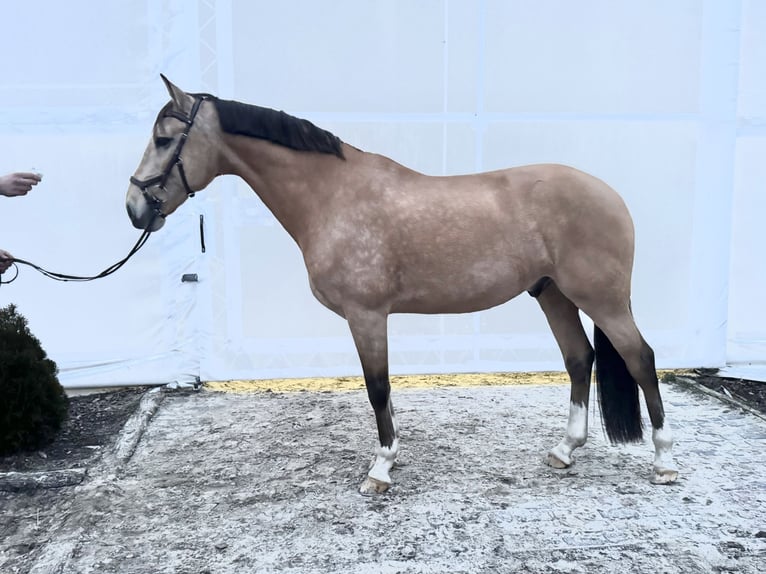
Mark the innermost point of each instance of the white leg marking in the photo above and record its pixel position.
(665, 470)
(385, 458)
(378, 479)
(577, 433)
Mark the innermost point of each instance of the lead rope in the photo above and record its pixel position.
(64, 277)
(143, 185)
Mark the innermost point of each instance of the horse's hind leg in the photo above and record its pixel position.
(369, 331)
(619, 335)
(564, 320)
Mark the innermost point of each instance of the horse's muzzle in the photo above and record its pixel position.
(144, 218)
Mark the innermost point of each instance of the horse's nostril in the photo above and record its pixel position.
(134, 219)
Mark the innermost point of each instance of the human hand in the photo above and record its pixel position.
(6, 260)
(19, 183)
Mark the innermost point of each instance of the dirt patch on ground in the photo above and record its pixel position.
(93, 422)
(751, 393)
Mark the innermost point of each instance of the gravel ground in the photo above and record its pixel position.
(266, 482)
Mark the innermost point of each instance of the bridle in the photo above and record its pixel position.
(159, 180)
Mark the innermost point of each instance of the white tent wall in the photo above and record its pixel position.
(746, 351)
(80, 91)
(662, 100)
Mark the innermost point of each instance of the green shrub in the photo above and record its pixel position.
(33, 405)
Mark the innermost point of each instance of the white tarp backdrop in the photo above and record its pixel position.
(666, 101)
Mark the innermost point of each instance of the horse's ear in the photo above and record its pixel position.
(181, 99)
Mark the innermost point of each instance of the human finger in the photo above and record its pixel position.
(28, 177)
(20, 188)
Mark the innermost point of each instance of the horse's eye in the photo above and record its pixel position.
(162, 141)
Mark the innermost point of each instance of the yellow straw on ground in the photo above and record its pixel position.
(320, 384)
(325, 384)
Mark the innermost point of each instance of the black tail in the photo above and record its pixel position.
(617, 393)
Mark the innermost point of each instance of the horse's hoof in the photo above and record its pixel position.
(664, 476)
(558, 460)
(372, 486)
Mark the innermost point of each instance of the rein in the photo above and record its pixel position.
(144, 185)
(65, 277)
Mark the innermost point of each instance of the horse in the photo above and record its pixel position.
(378, 238)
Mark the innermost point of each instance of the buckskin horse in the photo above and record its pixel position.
(379, 238)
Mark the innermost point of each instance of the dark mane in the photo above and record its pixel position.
(276, 127)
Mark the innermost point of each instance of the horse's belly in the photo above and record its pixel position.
(457, 293)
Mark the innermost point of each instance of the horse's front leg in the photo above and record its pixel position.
(369, 330)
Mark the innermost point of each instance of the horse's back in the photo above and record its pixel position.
(562, 183)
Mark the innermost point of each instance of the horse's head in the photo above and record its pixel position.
(179, 160)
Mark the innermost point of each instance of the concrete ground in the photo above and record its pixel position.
(266, 482)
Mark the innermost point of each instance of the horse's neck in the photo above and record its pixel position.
(294, 185)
